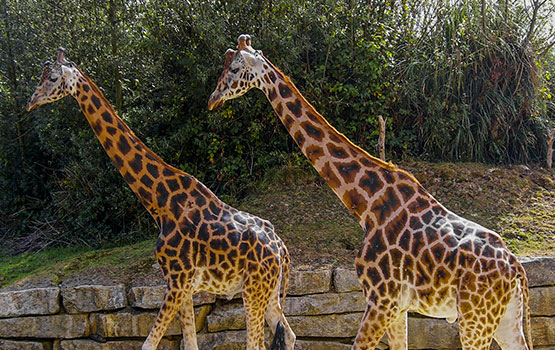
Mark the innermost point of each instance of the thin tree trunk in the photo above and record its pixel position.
(381, 139)
(550, 139)
(532, 27)
(326, 62)
(483, 15)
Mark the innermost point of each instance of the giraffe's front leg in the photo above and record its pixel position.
(187, 318)
(375, 322)
(172, 303)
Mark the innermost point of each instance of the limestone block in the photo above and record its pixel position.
(345, 280)
(237, 340)
(323, 304)
(128, 324)
(230, 316)
(147, 297)
(21, 345)
(35, 301)
(86, 344)
(88, 298)
(53, 326)
(542, 301)
(326, 326)
(320, 345)
(540, 271)
(151, 297)
(233, 340)
(201, 313)
(133, 324)
(543, 331)
(426, 333)
(303, 282)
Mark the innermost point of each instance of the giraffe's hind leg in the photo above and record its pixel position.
(480, 311)
(474, 333)
(397, 333)
(256, 295)
(187, 318)
(510, 334)
(172, 303)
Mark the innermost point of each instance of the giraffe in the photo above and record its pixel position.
(416, 255)
(204, 244)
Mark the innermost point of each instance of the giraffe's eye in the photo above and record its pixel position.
(234, 70)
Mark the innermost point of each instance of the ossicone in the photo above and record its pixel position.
(244, 42)
(61, 55)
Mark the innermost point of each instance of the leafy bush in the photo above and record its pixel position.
(449, 92)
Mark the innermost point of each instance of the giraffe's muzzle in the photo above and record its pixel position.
(31, 104)
(215, 101)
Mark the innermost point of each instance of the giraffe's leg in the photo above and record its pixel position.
(172, 302)
(510, 334)
(187, 318)
(255, 309)
(475, 334)
(375, 322)
(274, 315)
(256, 295)
(479, 315)
(397, 333)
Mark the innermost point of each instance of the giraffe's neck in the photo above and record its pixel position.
(155, 182)
(362, 182)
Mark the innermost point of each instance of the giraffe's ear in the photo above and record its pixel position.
(249, 58)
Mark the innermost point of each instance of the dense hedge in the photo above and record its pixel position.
(456, 82)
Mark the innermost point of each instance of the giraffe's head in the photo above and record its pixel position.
(243, 70)
(58, 80)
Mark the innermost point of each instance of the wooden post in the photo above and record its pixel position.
(381, 139)
(550, 139)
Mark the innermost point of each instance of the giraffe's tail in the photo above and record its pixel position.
(284, 278)
(526, 304)
(279, 338)
(279, 342)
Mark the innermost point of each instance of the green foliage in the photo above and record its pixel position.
(451, 85)
(470, 83)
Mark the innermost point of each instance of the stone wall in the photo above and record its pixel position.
(324, 307)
